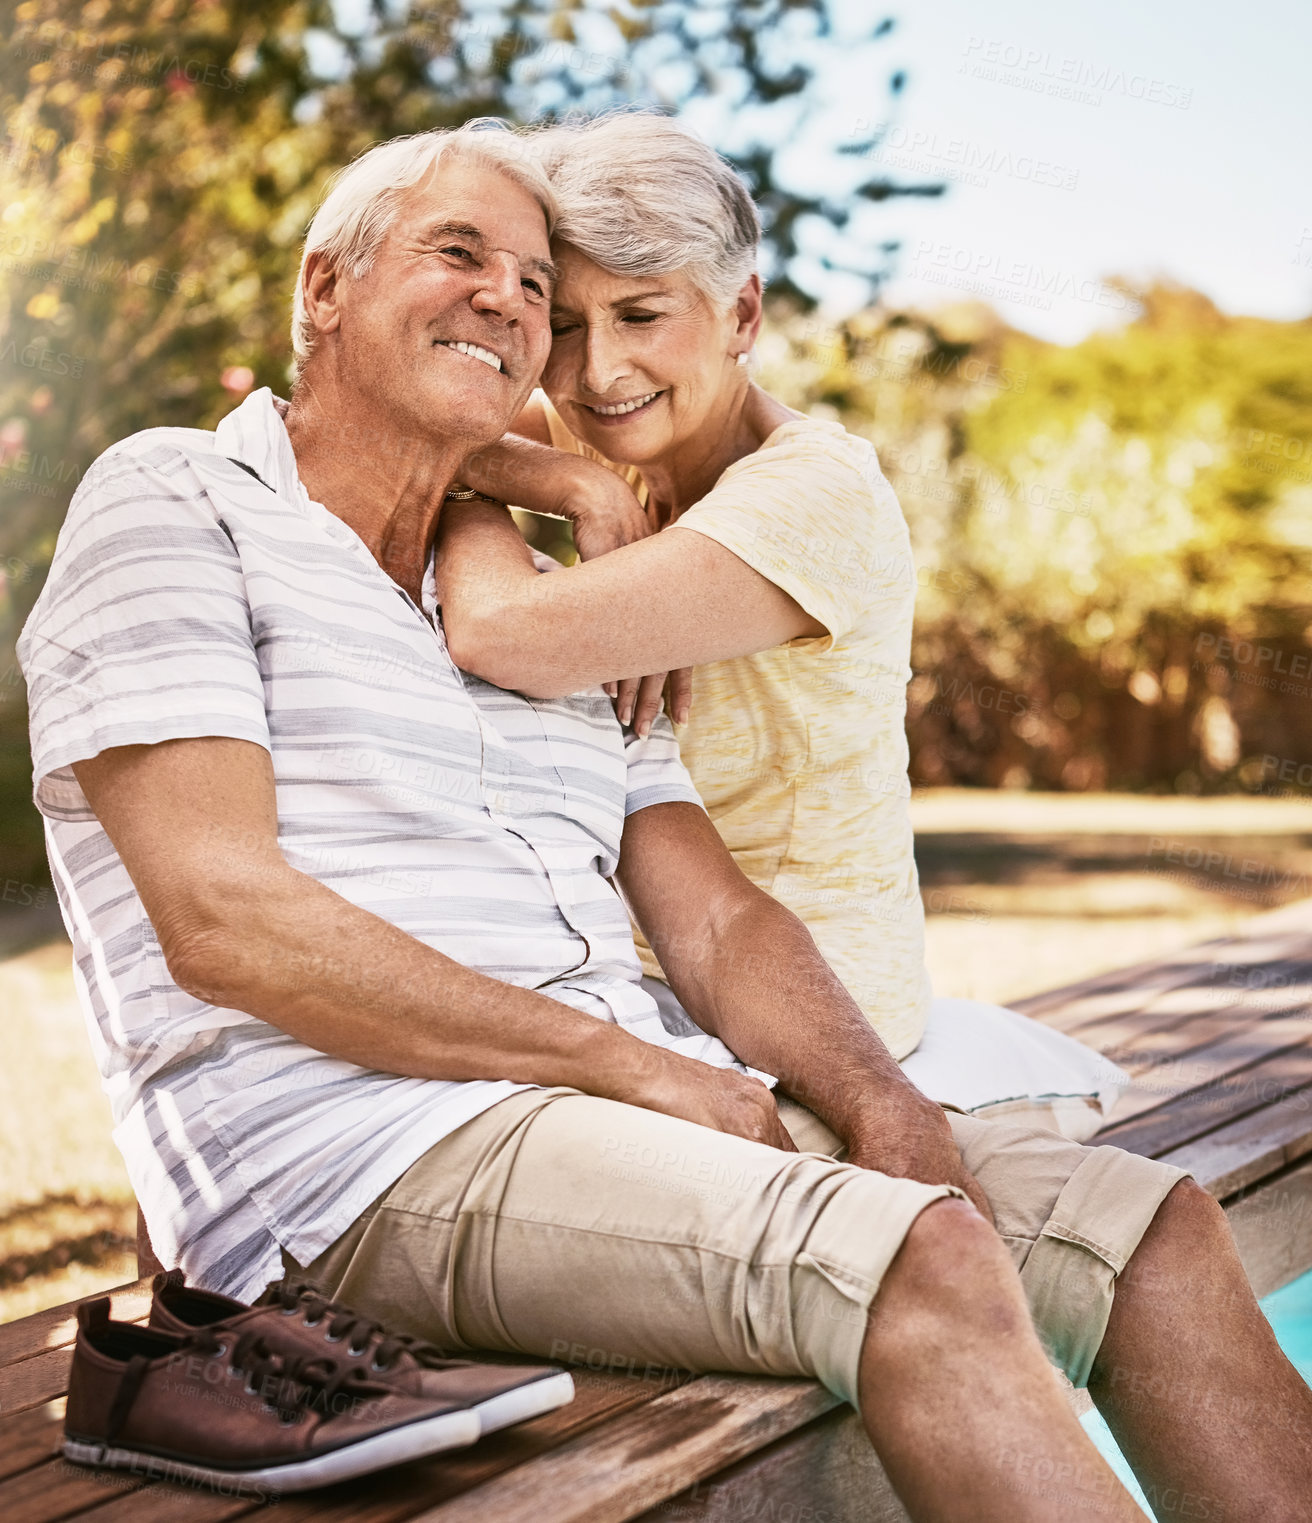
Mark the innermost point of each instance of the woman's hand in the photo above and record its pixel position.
(606, 514)
(638, 699)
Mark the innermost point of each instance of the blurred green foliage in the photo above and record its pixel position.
(161, 160)
(1113, 539)
(1091, 523)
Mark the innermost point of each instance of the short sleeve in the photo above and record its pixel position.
(142, 632)
(655, 773)
(813, 513)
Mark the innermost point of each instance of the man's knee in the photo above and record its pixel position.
(1188, 1221)
(951, 1272)
(1187, 1233)
(1187, 1207)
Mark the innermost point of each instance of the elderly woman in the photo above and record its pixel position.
(758, 545)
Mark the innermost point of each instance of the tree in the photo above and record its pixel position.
(1112, 539)
(162, 159)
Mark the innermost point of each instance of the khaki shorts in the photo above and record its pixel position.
(580, 1229)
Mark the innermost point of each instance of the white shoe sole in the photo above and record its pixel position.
(525, 1401)
(452, 1430)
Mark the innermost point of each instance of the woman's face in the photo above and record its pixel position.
(639, 364)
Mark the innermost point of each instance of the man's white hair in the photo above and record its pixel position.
(363, 198)
(641, 195)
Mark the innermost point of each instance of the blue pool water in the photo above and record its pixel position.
(1289, 1311)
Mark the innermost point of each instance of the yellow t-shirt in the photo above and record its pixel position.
(800, 752)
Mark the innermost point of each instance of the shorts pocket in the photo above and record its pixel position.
(1096, 1224)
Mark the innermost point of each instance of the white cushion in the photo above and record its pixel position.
(992, 1062)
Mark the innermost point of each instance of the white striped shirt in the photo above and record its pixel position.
(190, 597)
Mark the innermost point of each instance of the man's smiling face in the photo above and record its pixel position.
(451, 326)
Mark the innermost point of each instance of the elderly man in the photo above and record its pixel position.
(365, 998)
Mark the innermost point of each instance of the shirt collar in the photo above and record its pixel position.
(255, 434)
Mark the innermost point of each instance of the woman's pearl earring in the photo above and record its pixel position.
(742, 357)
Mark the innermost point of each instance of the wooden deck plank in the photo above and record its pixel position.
(57, 1326)
(826, 1472)
(160, 1503)
(1163, 1063)
(1250, 1149)
(1192, 1014)
(635, 1463)
(168, 1504)
(1272, 1226)
(1268, 938)
(1206, 1108)
(30, 1438)
(55, 1490)
(1165, 1083)
(1206, 1014)
(34, 1381)
(1113, 996)
(1230, 978)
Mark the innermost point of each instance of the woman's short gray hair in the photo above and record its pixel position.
(362, 199)
(641, 195)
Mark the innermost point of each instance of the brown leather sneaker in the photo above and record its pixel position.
(295, 1318)
(221, 1409)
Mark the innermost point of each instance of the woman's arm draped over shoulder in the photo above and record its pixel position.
(668, 601)
(523, 468)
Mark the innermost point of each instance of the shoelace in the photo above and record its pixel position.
(360, 1331)
(291, 1385)
(288, 1387)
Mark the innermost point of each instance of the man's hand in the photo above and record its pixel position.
(720, 1098)
(909, 1137)
(747, 971)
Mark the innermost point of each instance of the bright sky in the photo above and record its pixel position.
(1207, 183)
(1081, 139)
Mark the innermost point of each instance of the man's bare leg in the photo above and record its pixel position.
(1214, 1420)
(960, 1402)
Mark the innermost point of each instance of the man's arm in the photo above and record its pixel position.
(746, 969)
(195, 822)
